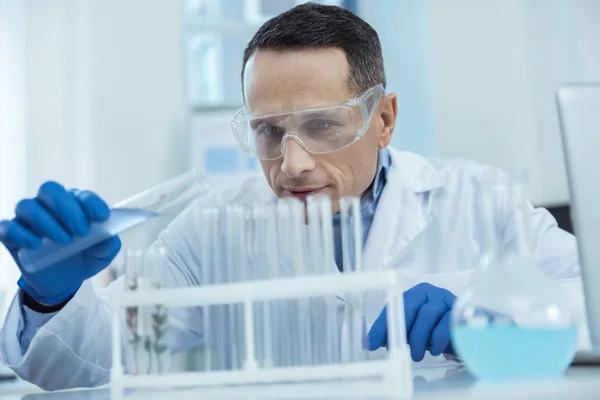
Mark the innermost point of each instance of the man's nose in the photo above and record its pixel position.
(296, 159)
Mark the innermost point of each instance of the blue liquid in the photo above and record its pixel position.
(513, 352)
(121, 220)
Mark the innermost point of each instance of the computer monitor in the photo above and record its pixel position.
(579, 114)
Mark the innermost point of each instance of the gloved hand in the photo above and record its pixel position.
(427, 314)
(58, 214)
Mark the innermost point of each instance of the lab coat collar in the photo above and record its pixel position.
(418, 174)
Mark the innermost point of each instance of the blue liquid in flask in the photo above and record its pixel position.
(511, 352)
(121, 220)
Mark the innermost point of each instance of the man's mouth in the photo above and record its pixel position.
(301, 194)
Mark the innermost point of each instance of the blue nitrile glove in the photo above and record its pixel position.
(427, 313)
(58, 214)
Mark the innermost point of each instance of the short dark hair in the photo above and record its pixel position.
(313, 25)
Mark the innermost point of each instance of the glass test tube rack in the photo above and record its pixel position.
(302, 249)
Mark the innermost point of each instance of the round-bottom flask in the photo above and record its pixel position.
(514, 322)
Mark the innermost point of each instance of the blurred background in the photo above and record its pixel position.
(118, 95)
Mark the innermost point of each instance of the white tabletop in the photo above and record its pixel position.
(442, 382)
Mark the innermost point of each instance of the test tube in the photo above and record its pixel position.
(248, 254)
(272, 338)
(299, 253)
(235, 265)
(155, 268)
(165, 198)
(219, 321)
(396, 329)
(517, 246)
(147, 350)
(287, 213)
(209, 225)
(521, 221)
(315, 232)
(321, 208)
(259, 252)
(251, 250)
(168, 195)
(241, 274)
(350, 217)
(135, 321)
(487, 238)
(287, 311)
(318, 315)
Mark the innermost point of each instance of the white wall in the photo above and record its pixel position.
(497, 65)
(105, 86)
(138, 99)
(563, 39)
(485, 73)
(55, 100)
(481, 82)
(13, 125)
(402, 26)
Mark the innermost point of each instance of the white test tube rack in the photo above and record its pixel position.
(394, 372)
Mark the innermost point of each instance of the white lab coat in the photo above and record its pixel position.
(426, 225)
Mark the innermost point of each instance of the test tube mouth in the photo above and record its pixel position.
(169, 194)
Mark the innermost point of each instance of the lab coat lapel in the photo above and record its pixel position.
(401, 213)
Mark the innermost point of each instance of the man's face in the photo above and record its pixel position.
(278, 80)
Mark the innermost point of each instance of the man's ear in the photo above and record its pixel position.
(389, 111)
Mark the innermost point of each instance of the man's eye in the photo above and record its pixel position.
(320, 125)
(268, 130)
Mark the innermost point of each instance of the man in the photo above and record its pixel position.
(317, 117)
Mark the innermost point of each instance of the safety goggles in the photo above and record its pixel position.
(319, 130)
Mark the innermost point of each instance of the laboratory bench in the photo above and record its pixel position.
(433, 382)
